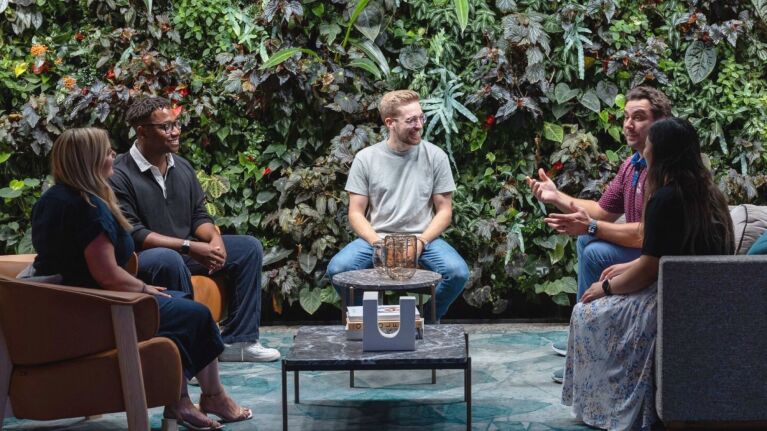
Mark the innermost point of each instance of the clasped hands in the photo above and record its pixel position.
(595, 291)
(211, 255)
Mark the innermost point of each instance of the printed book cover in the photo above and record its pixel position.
(385, 312)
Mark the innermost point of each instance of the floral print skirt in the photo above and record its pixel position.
(609, 375)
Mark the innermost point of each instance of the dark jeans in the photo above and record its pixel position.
(191, 327)
(244, 255)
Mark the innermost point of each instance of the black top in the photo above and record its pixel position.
(148, 210)
(63, 224)
(664, 224)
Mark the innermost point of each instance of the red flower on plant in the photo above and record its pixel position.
(183, 91)
(489, 121)
(84, 91)
(79, 36)
(110, 73)
(176, 109)
(558, 166)
(267, 171)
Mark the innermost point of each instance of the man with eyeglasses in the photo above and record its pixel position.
(161, 197)
(403, 185)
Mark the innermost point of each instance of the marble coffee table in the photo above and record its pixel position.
(325, 348)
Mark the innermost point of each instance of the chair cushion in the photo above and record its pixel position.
(91, 385)
(749, 222)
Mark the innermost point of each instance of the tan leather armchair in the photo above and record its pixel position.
(208, 290)
(71, 352)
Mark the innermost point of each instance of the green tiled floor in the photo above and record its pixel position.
(511, 390)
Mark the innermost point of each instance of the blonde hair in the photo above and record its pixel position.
(391, 101)
(77, 160)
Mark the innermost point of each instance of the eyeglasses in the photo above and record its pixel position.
(165, 127)
(413, 120)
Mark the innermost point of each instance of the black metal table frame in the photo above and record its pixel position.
(466, 367)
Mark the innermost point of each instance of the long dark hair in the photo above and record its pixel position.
(675, 161)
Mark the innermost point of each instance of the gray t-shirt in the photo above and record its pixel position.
(399, 186)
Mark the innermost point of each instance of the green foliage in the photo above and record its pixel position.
(278, 95)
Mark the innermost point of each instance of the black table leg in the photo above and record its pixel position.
(295, 387)
(351, 378)
(434, 303)
(467, 392)
(434, 316)
(284, 397)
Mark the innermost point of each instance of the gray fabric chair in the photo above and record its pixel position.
(712, 341)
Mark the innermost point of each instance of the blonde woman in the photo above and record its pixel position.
(79, 232)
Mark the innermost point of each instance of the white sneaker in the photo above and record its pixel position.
(248, 352)
(193, 382)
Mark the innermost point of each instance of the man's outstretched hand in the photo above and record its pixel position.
(543, 188)
(574, 223)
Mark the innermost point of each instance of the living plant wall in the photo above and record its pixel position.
(276, 96)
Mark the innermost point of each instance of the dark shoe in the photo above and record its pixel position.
(560, 347)
(558, 376)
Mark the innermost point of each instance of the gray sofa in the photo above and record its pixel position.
(711, 351)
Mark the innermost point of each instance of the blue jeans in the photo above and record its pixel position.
(595, 255)
(439, 257)
(244, 255)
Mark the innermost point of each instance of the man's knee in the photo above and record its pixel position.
(161, 259)
(456, 272)
(335, 266)
(596, 253)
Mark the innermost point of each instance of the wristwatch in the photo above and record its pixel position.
(423, 241)
(592, 229)
(185, 247)
(606, 287)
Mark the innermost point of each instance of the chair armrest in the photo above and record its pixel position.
(711, 338)
(12, 264)
(78, 321)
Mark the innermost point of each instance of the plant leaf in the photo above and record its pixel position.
(307, 262)
(369, 20)
(590, 100)
(366, 64)
(374, 52)
(310, 299)
(282, 55)
(607, 91)
(462, 13)
(553, 132)
(355, 14)
(759, 5)
(699, 60)
(563, 93)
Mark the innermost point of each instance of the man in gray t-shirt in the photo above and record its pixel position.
(403, 185)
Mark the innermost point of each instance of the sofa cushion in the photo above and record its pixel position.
(749, 222)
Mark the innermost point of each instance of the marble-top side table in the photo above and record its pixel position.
(323, 348)
(371, 279)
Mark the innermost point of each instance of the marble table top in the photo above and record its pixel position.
(370, 279)
(326, 348)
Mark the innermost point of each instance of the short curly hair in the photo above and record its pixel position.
(392, 100)
(141, 109)
(660, 106)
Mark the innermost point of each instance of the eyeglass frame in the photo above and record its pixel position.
(166, 127)
(412, 120)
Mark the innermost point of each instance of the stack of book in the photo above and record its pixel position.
(388, 321)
